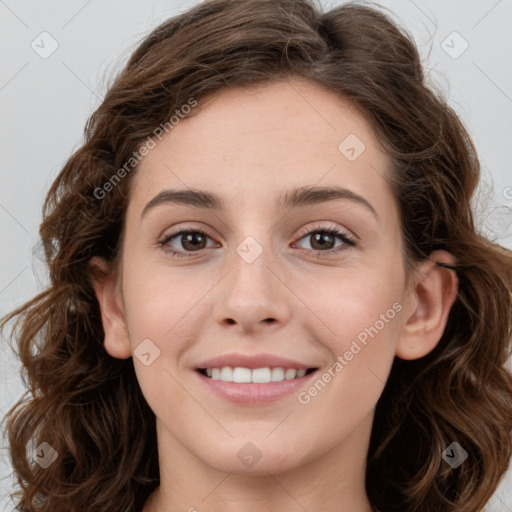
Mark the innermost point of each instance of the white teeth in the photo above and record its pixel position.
(277, 374)
(261, 375)
(290, 374)
(241, 375)
(257, 375)
(226, 374)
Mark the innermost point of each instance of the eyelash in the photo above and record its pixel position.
(348, 241)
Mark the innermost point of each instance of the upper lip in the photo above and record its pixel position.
(252, 362)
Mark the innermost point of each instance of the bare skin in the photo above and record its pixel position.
(249, 146)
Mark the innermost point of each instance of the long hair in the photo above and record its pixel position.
(88, 406)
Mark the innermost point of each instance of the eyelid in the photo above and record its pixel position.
(323, 225)
(319, 225)
(169, 233)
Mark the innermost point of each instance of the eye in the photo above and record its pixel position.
(195, 240)
(190, 240)
(323, 239)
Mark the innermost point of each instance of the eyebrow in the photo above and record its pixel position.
(297, 198)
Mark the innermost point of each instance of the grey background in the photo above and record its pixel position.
(46, 102)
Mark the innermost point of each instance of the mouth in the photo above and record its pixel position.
(254, 386)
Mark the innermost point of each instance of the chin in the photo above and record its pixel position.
(256, 459)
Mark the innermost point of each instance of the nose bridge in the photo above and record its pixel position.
(252, 293)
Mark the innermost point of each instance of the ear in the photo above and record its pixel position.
(108, 292)
(429, 302)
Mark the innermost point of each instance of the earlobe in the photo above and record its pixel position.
(430, 301)
(107, 291)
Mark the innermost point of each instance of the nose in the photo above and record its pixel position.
(254, 295)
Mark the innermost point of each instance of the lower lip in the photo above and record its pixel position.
(253, 393)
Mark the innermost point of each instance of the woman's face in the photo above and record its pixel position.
(260, 277)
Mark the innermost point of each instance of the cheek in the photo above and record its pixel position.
(367, 325)
(158, 301)
(361, 319)
(355, 303)
(160, 308)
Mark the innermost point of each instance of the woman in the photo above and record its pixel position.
(267, 291)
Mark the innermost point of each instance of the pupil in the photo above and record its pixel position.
(192, 239)
(319, 238)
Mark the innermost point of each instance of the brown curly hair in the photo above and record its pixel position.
(89, 407)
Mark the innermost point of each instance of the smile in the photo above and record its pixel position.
(260, 389)
(257, 375)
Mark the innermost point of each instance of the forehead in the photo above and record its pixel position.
(245, 143)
